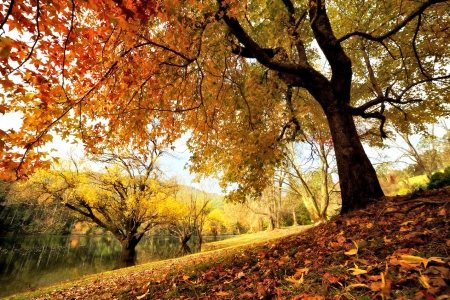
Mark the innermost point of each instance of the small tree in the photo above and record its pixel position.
(188, 210)
(215, 222)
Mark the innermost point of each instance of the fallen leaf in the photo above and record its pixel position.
(406, 223)
(439, 282)
(261, 290)
(293, 280)
(386, 240)
(352, 251)
(413, 260)
(375, 286)
(222, 293)
(301, 271)
(356, 285)
(444, 272)
(141, 296)
(356, 271)
(424, 281)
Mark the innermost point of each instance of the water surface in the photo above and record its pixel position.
(30, 262)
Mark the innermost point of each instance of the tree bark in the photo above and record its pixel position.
(185, 238)
(128, 256)
(357, 178)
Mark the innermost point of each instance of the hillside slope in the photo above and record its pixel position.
(397, 248)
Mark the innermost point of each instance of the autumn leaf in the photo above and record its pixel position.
(300, 272)
(386, 240)
(295, 281)
(357, 271)
(353, 251)
(413, 260)
(222, 293)
(424, 281)
(356, 285)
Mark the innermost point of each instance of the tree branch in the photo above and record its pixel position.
(256, 50)
(8, 13)
(340, 63)
(394, 30)
(419, 20)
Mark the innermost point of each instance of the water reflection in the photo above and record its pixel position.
(31, 262)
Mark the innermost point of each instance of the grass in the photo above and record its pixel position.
(252, 238)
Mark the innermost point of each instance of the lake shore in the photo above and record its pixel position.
(208, 250)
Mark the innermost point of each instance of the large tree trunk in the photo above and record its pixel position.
(357, 177)
(128, 256)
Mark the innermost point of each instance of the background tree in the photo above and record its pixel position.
(309, 163)
(126, 198)
(113, 67)
(215, 223)
(188, 211)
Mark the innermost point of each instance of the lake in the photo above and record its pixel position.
(30, 262)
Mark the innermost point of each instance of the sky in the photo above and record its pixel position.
(172, 164)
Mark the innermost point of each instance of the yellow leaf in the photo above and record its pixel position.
(356, 285)
(352, 251)
(29, 96)
(424, 281)
(369, 225)
(293, 280)
(185, 277)
(386, 240)
(413, 260)
(357, 271)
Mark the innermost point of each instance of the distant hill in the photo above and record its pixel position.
(216, 199)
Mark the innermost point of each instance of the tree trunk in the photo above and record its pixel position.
(357, 178)
(128, 256)
(184, 249)
(310, 203)
(185, 238)
(294, 216)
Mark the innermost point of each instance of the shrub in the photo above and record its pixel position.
(440, 179)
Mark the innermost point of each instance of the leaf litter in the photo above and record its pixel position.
(396, 248)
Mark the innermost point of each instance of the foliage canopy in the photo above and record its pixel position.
(237, 75)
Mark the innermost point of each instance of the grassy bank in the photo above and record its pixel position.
(209, 249)
(397, 248)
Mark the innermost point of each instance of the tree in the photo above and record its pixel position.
(316, 190)
(215, 222)
(188, 211)
(221, 69)
(127, 198)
